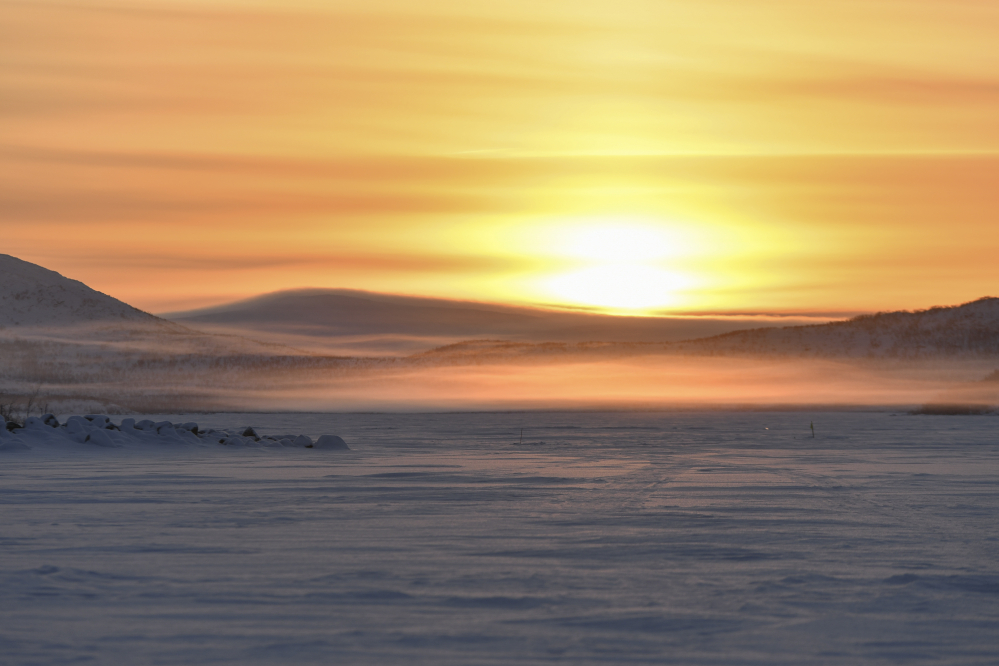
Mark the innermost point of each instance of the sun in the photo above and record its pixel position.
(611, 242)
(622, 266)
(617, 287)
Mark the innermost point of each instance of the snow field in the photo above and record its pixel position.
(628, 538)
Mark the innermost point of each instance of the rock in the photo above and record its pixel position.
(50, 420)
(331, 442)
(77, 428)
(101, 421)
(162, 426)
(303, 441)
(100, 437)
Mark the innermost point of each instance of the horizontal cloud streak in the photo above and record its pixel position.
(808, 153)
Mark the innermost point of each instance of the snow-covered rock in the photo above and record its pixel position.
(100, 437)
(98, 430)
(331, 442)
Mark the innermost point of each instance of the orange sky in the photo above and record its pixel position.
(685, 156)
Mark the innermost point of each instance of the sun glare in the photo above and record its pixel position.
(619, 244)
(617, 287)
(621, 265)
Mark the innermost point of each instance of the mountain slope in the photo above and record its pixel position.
(40, 306)
(967, 329)
(34, 296)
(75, 344)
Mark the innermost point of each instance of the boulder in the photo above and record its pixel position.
(331, 442)
(100, 437)
(160, 426)
(77, 428)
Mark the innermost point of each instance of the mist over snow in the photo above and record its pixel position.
(75, 349)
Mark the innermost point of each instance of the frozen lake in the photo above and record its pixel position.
(691, 538)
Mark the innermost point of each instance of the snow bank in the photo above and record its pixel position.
(100, 430)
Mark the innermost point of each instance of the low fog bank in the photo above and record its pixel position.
(856, 365)
(304, 383)
(71, 348)
(651, 382)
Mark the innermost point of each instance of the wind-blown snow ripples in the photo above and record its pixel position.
(703, 538)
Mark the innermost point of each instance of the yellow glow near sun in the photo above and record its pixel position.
(618, 286)
(618, 244)
(622, 265)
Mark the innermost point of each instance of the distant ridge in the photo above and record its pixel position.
(74, 344)
(968, 329)
(331, 313)
(34, 296)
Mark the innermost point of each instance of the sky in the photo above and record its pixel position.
(629, 156)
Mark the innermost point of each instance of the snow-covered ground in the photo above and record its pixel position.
(690, 538)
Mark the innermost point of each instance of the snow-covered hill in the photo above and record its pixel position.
(971, 329)
(341, 321)
(965, 331)
(70, 344)
(34, 296)
(65, 344)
